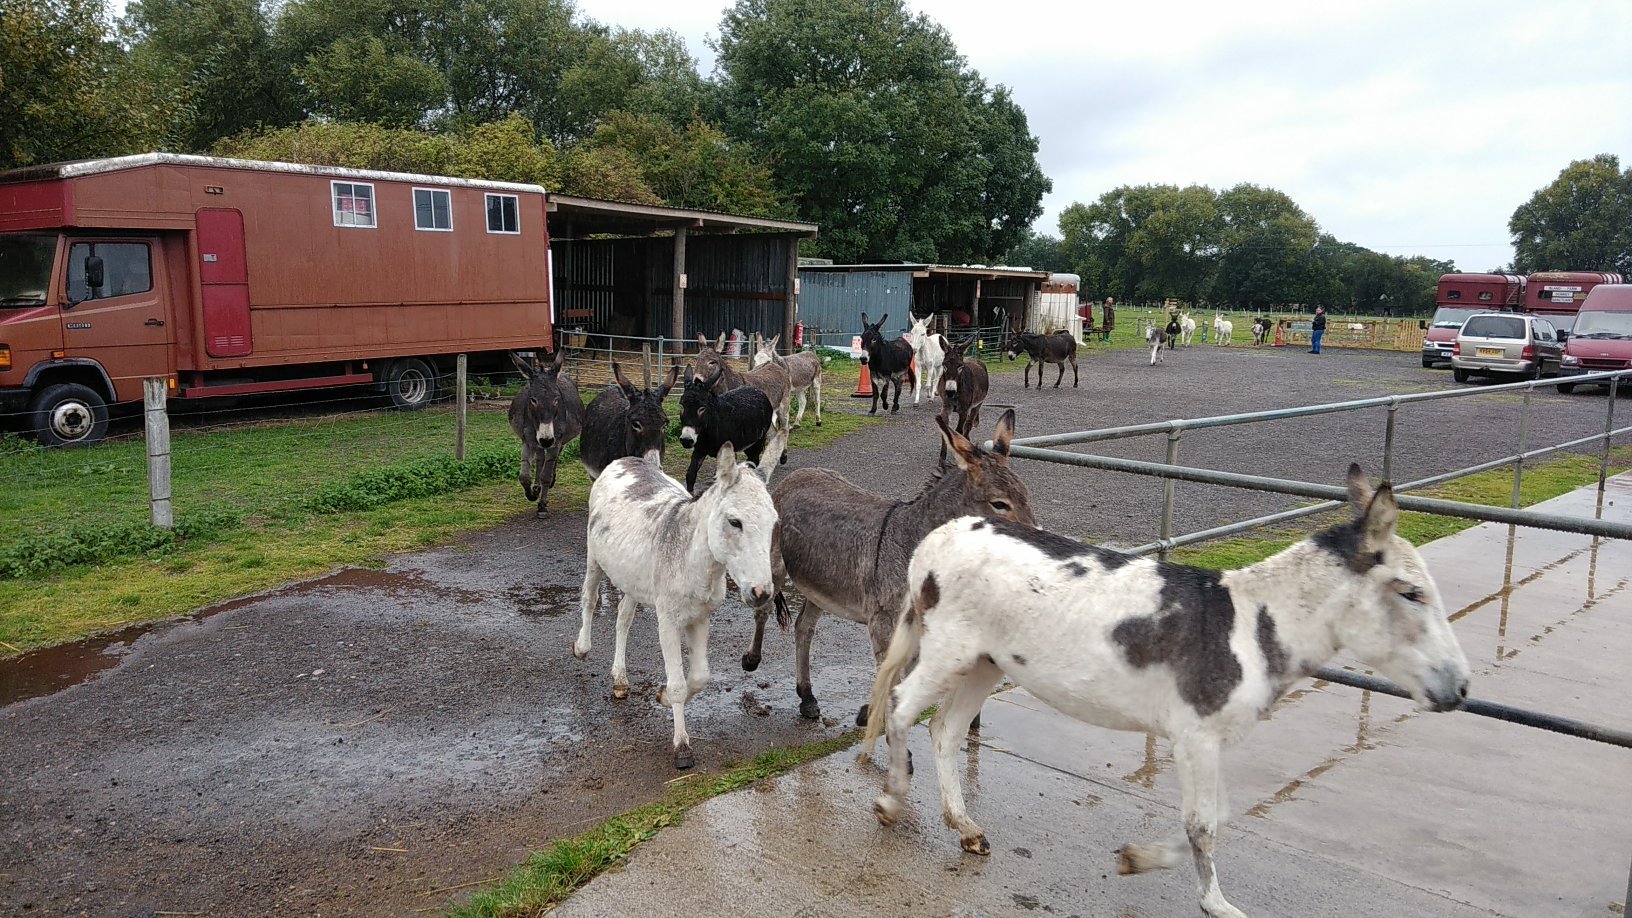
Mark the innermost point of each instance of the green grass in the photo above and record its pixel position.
(547, 877)
(257, 507)
(1542, 481)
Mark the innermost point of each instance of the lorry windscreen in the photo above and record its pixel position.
(1609, 325)
(25, 269)
(1449, 317)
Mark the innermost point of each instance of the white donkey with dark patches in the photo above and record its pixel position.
(929, 349)
(1194, 655)
(665, 550)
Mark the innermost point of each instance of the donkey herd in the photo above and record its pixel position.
(957, 587)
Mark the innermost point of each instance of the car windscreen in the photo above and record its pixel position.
(1446, 317)
(1606, 325)
(1494, 327)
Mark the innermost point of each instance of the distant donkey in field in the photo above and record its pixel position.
(824, 518)
(546, 414)
(804, 375)
(1222, 330)
(1156, 336)
(886, 361)
(1041, 350)
(929, 349)
(963, 389)
(625, 421)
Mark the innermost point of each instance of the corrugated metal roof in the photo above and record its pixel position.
(120, 163)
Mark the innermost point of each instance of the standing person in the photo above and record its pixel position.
(1317, 329)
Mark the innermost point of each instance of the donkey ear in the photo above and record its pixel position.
(522, 365)
(560, 359)
(720, 344)
(864, 322)
(726, 464)
(1359, 489)
(1381, 516)
(668, 383)
(1004, 433)
(882, 319)
(701, 341)
(623, 382)
(771, 344)
(962, 450)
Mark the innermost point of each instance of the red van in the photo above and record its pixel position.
(1602, 337)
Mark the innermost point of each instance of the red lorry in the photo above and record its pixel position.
(230, 277)
(1558, 294)
(1462, 295)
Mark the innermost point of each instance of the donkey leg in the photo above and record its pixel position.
(1060, 376)
(544, 476)
(816, 395)
(946, 729)
(804, 631)
(697, 642)
(620, 668)
(1076, 377)
(589, 600)
(928, 683)
(750, 660)
(799, 417)
(673, 693)
(526, 475)
(1196, 759)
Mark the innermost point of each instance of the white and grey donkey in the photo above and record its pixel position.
(662, 549)
(804, 375)
(1197, 656)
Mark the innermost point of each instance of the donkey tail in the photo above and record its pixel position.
(903, 650)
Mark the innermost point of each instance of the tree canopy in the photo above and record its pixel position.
(1582, 221)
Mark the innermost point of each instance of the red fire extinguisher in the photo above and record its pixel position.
(799, 334)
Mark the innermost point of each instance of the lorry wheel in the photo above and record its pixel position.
(411, 384)
(1459, 375)
(1566, 388)
(69, 414)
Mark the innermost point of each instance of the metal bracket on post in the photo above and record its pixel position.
(154, 395)
(1388, 441)
(1167, 489)
(459, 390)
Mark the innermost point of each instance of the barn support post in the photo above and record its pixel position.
(677, 323)
(157, 420)
(790, 301)
(460, 365)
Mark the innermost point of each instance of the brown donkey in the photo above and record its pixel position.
(823, 519)
(963, 387)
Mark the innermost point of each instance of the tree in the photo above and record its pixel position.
(215, 59)
(65, 86)
(876, 130)
(1580, 222)
(1038, 251)
(1267, 256)
(695, 166)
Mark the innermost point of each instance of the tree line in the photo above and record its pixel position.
(1252, 247)
(857, 115)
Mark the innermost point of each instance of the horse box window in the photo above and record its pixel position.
(353, 204)
(503, 214)
(433, 210)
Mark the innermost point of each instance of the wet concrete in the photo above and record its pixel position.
(1343, 803)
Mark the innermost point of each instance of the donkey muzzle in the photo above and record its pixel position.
(1446, 688)
(760, 595)
(688, 437)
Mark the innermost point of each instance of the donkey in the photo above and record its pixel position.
(1175, 331)
(625, 421)
(1187, 328)
(1156, 337)
(660, 547)
(886, 361)
(964, 387)
(1042, 350)
(546, 415)
(1222, 329)
(804, 376)
(772, 379)
(1260, 330)
(742, 415)
(929, 350)
(1195, 655)
(825, 518)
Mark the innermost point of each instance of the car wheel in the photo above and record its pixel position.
(1427, 363)
(1459, 375)
(69, 414)
(410, 383)
(1566, 388)
(1533, 373)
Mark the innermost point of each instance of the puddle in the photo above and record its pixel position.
(547, 600)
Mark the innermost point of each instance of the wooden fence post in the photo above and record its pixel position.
(157, 420)
(459, 390)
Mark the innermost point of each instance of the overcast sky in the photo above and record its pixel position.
(1406, 127)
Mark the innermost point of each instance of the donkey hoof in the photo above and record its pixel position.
(861, 715)
(974, 725)
(683, 759)
(543, 514)
(887, 809)
(810, 710)
(976, 845)
(580, 654)
(620, 692)
(663, 695)
(1132, 859)
(750, 662)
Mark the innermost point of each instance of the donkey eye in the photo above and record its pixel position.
(1413, 595)
(736, 524)
(1001, 506)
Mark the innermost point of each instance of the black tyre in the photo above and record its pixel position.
(1566, 388)
(69, 414)
(1459, 375)
(1533, 373)
(410, 383)
(1427, 363)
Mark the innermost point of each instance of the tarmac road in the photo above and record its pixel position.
(377, 742)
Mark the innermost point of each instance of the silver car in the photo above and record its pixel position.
(1507, 343)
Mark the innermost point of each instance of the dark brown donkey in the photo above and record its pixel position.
(1043, 350)
(963, 389)
(847, 549)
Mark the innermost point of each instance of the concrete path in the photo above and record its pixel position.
(1346, 803)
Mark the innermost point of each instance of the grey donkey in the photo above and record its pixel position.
(546, 415)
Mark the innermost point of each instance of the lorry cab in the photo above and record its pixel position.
(1602, 337)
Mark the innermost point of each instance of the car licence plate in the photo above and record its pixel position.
(1492, 352)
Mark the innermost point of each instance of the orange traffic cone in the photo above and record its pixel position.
(864, 385)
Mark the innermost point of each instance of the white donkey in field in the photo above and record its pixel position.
(930, 352)
(665, 550)
(1194, 655)
(1222, 329)
(1187, 328)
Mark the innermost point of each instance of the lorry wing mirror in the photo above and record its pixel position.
(1563, 336)
(1422, 324)
(95, 274)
